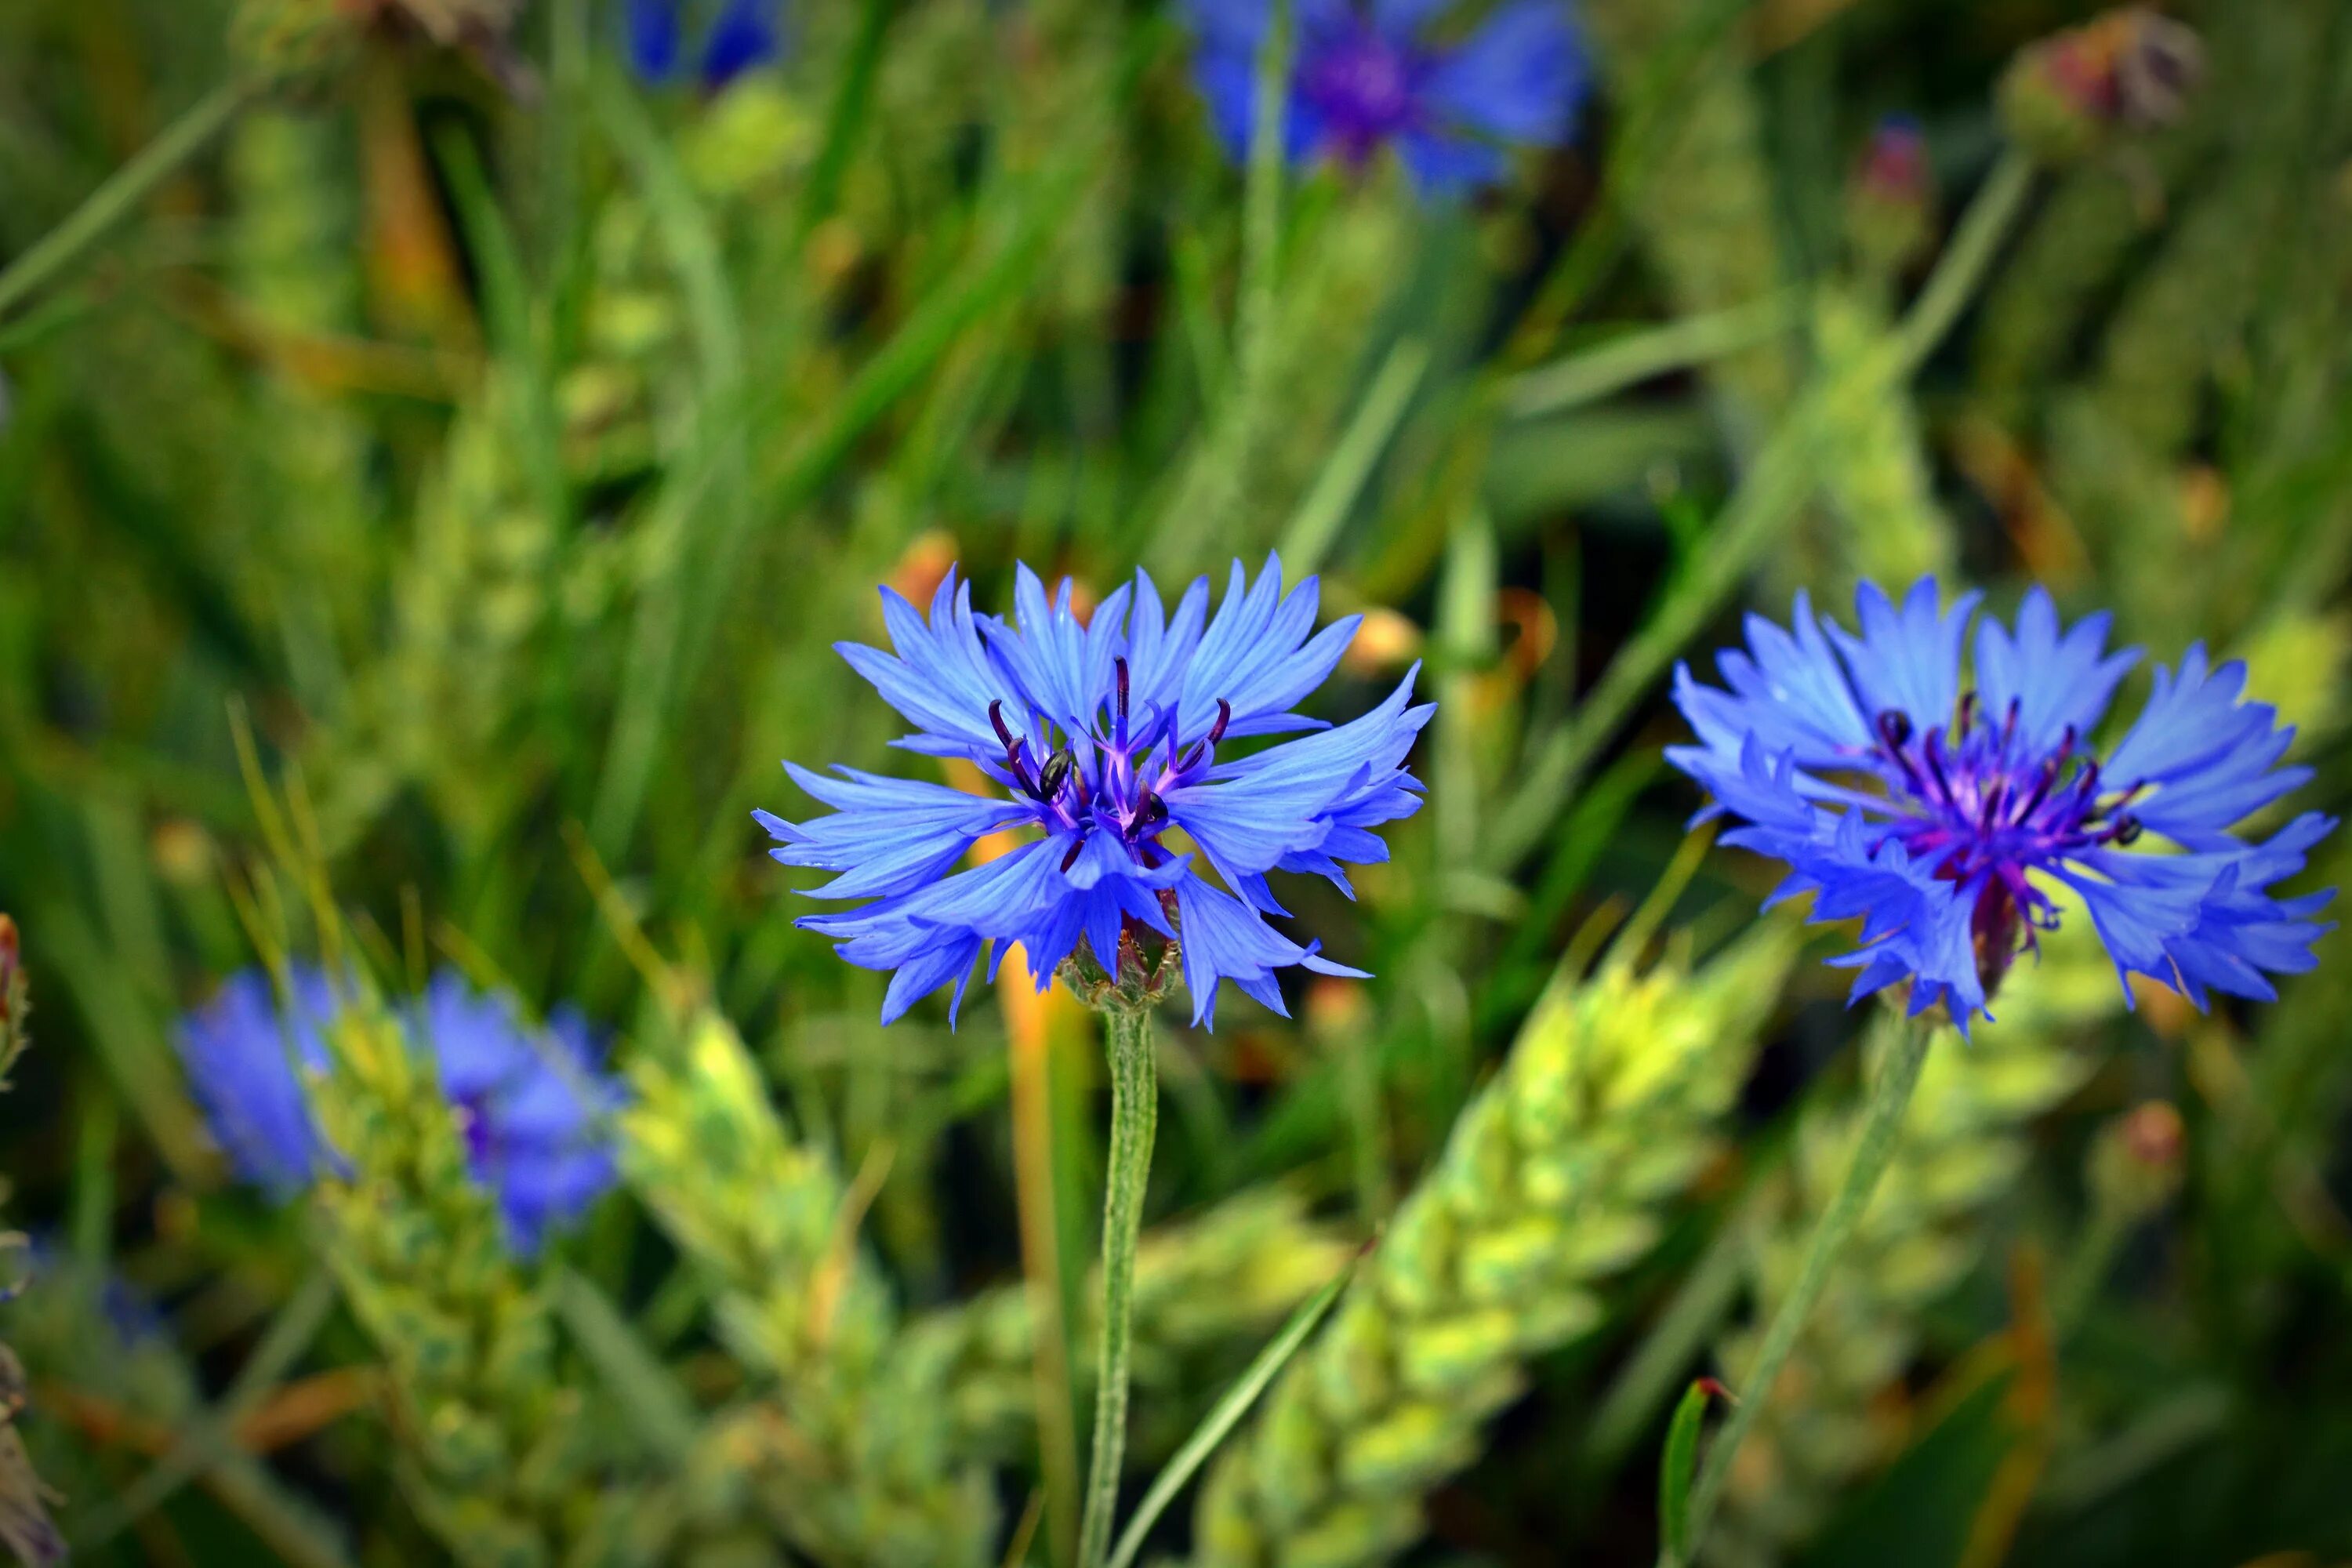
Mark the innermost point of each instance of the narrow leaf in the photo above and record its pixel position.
(1681, 1464)
(1227, 1415)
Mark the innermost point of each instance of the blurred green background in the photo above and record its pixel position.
(504, 440)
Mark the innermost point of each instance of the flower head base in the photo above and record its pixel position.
(529, 1106)
(1104, 738)
(1363, 79)
(1945, 816)
(743, 35)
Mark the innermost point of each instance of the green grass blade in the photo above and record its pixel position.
(1227, 1415)
(665, 1416)
(1680, 1465)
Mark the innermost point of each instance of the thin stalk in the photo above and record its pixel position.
(122, 191)
(1890, 1097)
(1134, 1116)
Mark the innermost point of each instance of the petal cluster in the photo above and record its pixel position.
(531, 1104)
(1111, 742)
(247, 1060)
(742, 36)
(1367, 78)
(1939, 799)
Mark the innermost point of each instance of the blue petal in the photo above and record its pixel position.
(888, 835)
(1255, 810)
(1521, 77)
(653, 38)
(2058, 683)
(246, 1059)
(747, 34)
(1252, 656)
(2207, 920)
(942, 677)
(1907, 661)
(1224, 939)
(1442, 164)
(2210, 756)
(1789, 690)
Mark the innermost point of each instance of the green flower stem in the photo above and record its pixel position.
(1134, 1115)
(1890, 1097)
(124, 190)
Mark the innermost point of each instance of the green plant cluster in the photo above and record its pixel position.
(503, 440)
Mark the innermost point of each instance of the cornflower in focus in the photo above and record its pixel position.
(743, 35)
(1105, 737)
(531, 1105)
(1362, 78)
(1942, 813)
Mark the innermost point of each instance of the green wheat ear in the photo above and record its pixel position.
(495, 1457)
(1873, 460)
(1554, 1179)
(868, 1475)
(1962, 1147)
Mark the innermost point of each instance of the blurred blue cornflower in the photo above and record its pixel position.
(1941, 814)
(1363, 78)
(243, 1055)
(743, 35)
(1104, 736)
(530, 1105)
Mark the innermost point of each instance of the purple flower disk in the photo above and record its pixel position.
(1367, 78)
(1103, 737)
(1941, 814)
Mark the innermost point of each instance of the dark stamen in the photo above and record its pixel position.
(1078, 847)
(2127, 830)
(1225, 717)
(1967, 715)
(1991, 812)
(996, 717)
(2009, 725)
(1120, 666)
(2041, 791)
(1935, 753)
(1894, 728)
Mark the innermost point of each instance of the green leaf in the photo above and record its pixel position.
(637, 1378)
(1680, 1465)
(1227, 1415)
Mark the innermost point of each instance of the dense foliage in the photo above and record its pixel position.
(442, 443)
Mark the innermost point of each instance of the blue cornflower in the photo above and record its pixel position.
(744, 35)
(531, 1106)
(1104, 735)
(1943, 815)
(1363, 78)
(246, 1059)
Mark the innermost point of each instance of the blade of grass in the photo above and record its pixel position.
(1675, 1470)
(204, 1440)
(1227, 1413)
(1307, 539)
(665, 1418)
(1638, 356)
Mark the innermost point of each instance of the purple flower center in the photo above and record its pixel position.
(1114, 783)
(475, 1125)
(1984, 810)
(1365, 89)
